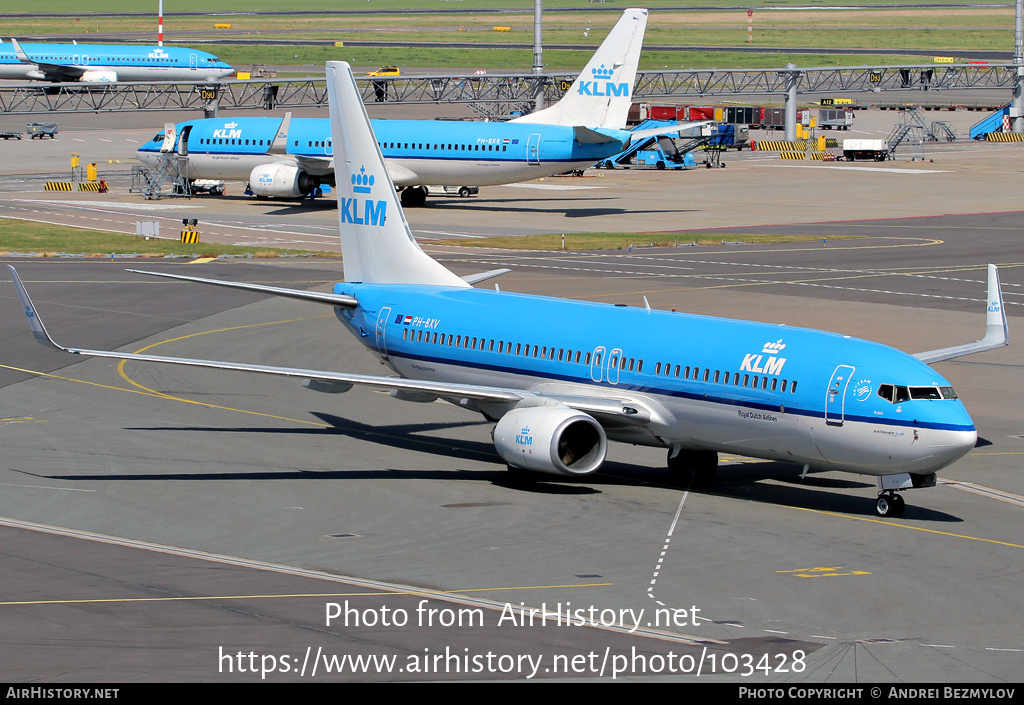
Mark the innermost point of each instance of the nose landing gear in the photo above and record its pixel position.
(890, 504)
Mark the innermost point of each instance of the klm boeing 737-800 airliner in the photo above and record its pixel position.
(291, 158)
(106, 63)
(584, 373)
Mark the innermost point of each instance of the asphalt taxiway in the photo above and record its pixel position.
(158, 518)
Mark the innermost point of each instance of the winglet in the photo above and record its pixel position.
(34, 322)
(997, 332)
(20, 53)
(280, 144)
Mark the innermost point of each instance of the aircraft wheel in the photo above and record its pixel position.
(883, 506)
(890, 505)
(698, 464)
(898, 506)
(414, 196)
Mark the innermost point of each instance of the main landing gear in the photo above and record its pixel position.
(414, 196)
(890, 504)
(696, 465)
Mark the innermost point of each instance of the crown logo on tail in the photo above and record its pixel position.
(362, 181)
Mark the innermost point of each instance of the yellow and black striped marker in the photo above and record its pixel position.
(89, 187)
(1004, 137)
(781, 145)
(792, 155)
(190, 236)
(58, 186)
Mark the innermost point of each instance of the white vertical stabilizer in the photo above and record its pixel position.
(600, 96)
(376, 243)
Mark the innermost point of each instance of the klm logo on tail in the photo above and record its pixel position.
(602, 84)
(371, 212)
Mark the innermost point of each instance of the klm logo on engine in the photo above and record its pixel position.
(362, 211)
(772, 365)
(524, 438)
(602, 84)
(228, 131)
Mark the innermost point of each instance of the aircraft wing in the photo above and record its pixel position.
(620, 408)
(400, 175)
(997, 333)
(49, 71)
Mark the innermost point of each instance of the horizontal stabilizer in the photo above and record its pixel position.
(586, 135)
(997, 333)
(484, 276)
(300, 294)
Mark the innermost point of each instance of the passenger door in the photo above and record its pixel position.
(382, 324)
(596, 369)
(533, 149)
(835, 397)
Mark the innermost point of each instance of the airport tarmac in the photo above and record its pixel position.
(156, 519)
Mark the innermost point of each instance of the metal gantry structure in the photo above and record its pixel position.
(492, 95)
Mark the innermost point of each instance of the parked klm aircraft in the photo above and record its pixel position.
(583, 373)
(104, 63)
(291, 158)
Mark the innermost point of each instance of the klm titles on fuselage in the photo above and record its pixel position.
(772, 366)
(228, 131)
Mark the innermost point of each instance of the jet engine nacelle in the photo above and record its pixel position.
(282, 181)
(552, 439)
(99, 76)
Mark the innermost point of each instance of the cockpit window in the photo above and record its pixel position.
(897, 394)
(894, 393)
(159, 137)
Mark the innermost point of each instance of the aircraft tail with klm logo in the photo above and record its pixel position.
(376, 242)
(601, 95)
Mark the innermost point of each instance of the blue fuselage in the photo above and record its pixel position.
(757, 389)
(110, 62)
(417, 151)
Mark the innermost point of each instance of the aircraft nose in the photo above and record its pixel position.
(948, 446)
